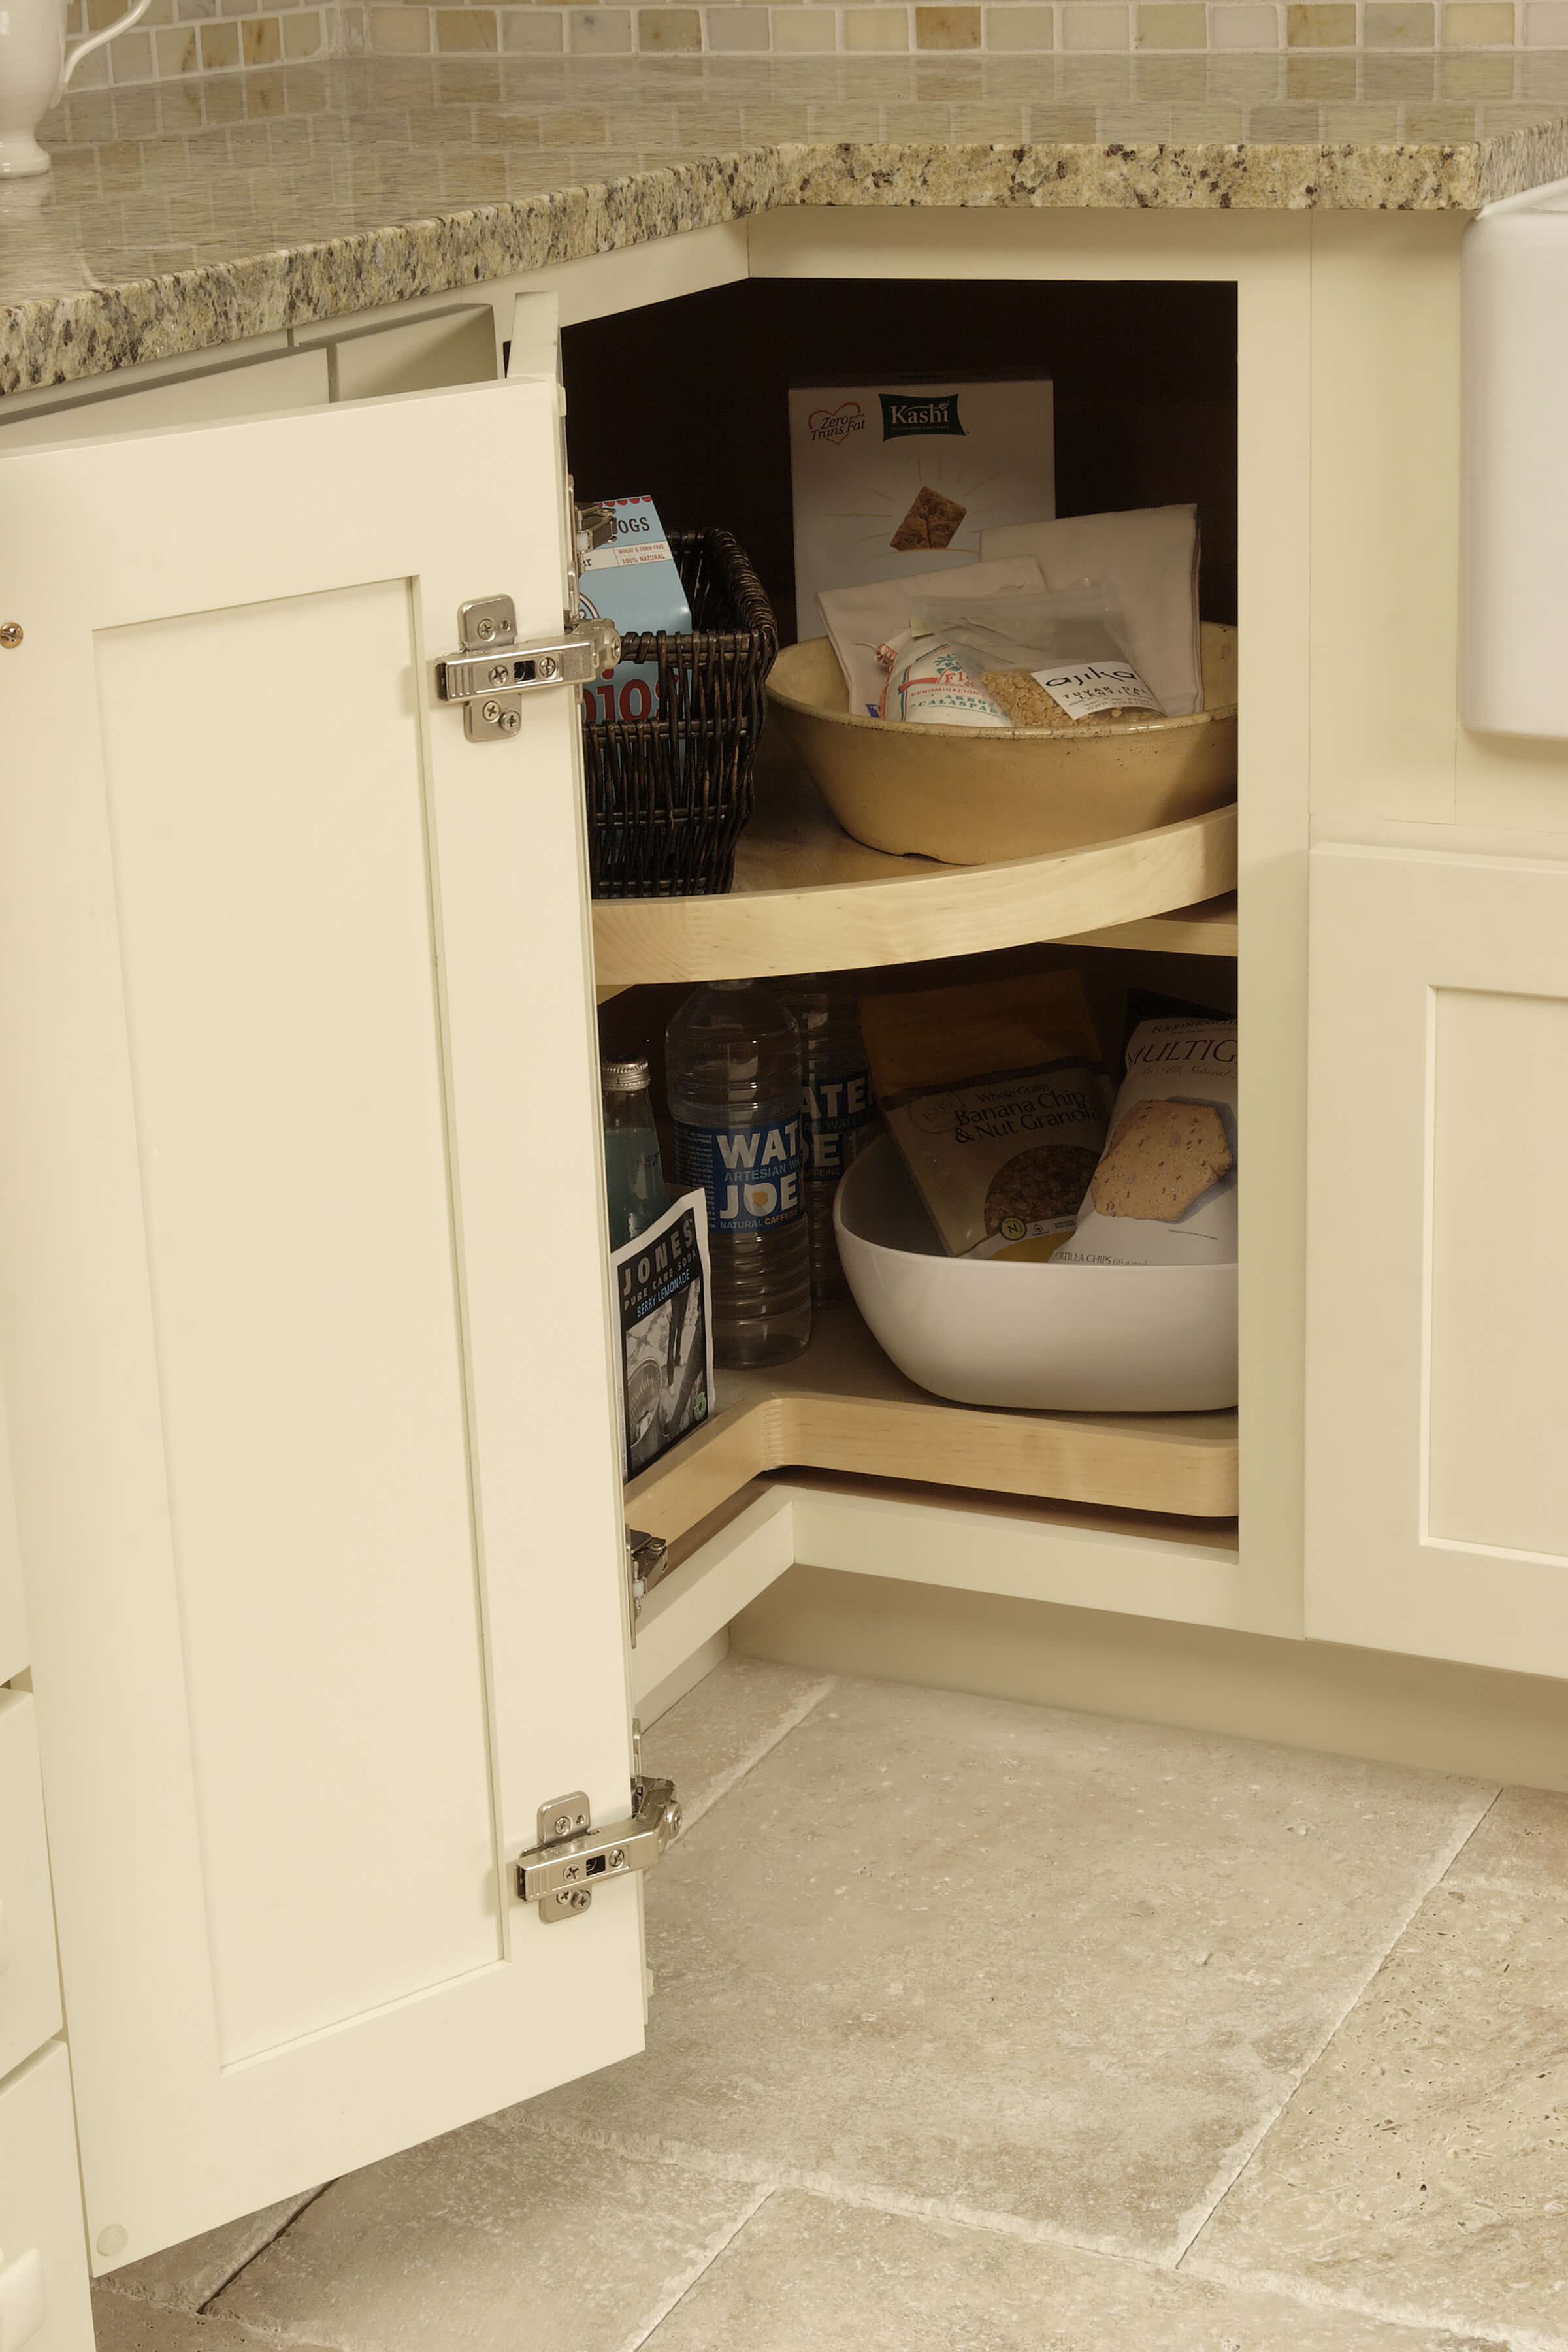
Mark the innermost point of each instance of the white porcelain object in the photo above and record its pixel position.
(35, 67)
(1513, 597)
(1069, 1338)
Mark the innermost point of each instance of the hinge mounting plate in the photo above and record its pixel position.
(571, 1857)
(493, 671)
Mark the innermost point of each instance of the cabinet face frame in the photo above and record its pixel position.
(181, 2126)
(1267, 257)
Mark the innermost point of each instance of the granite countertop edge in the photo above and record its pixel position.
(78, 336)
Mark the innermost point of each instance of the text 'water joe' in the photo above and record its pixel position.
(734, 1056)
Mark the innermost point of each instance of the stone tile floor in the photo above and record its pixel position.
(991, 2028)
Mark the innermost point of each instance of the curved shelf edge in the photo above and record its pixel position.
(914, 913)
(849, 1411)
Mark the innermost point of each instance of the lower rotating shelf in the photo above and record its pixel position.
(843, 1407)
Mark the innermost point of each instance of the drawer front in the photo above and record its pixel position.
(45, 2305)
(29, 1979)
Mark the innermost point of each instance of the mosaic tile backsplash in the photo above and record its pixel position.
(180, 39)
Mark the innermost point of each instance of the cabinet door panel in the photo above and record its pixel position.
(1438, 1383)
(303, 1283)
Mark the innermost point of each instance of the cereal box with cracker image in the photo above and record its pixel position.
(903, 477)
(1165, 1191)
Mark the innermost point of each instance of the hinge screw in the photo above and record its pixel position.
(617, 1857)
(561, 1824)
(546, 664)
(484, 631)
(490, 713)
(510, 720)
(10, 634)
(497, 674)
(579, 1898)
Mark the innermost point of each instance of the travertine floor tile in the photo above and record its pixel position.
(183, 2277)
(121, 2324)
(958, 1956)
(492, 2238)
(1523, 1841)
(804, 2272)
(1422, 2168)
(712, 1737)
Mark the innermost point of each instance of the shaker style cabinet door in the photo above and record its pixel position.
(301, 1295)
(1438, 1257)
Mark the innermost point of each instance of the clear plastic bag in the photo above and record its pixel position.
(1051, 658)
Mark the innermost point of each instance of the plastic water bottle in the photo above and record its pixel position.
(634, 1173)
(733, 1059)
(838, 1109)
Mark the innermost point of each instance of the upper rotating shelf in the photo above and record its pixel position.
(808, 898)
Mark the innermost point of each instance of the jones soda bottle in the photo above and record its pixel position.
(733, 1061)
(634, 1180)
(839, 1108)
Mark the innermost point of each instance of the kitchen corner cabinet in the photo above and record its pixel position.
(303, 1282)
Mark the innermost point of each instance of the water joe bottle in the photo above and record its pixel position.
(838, 1107)
(734, 1060)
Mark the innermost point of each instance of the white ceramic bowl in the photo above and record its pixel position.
(970, 796)
(1073, 1338)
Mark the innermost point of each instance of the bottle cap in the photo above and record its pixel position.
(627, 1078)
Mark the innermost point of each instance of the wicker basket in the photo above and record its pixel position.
(670, 796)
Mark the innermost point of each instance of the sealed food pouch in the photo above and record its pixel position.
(1165, 1191)
(1050, 656)
(994, 1096)
(928, 682)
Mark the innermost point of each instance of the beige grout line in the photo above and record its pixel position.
(650, 2149)
(703, 2267)
(281, 2231)
(792, 1721)
(1460, 2335)
(1217, 2196)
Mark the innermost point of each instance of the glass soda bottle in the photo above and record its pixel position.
(838, 1109)
(634, 1173)
(733, 1061)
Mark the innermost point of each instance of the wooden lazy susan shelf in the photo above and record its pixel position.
(843, 1407)
(806, 897)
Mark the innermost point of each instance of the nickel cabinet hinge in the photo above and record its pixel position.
(494, 670)
(573, 1858)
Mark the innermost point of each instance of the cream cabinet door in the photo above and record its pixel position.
(1438, 1257)
(301, 1295)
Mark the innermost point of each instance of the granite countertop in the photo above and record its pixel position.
(183, 217)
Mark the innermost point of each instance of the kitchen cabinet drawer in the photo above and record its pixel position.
(272, 383)
(29, 1979)
(45, 2305)
(423, 355)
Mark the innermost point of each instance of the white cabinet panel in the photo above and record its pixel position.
(1438, 1257)
(301, 1261)
(29, 1979)
(45, 2305)
(1498, 1460)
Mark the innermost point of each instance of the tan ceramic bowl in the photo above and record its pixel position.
(973, 795)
